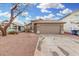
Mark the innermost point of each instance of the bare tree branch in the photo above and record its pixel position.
(12, 14)
(15, 8)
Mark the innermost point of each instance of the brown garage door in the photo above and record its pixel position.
(48, 28)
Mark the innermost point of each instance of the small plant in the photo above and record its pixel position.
(11, 31)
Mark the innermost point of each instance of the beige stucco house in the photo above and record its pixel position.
(47, 26)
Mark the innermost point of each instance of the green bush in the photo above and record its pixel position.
(12, 31)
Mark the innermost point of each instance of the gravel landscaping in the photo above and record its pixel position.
(22, 44)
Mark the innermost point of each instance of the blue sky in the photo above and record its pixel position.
(40, 10)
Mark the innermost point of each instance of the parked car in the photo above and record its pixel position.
(78, 32)
(75, 32)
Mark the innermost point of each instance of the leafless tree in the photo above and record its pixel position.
(16, 10)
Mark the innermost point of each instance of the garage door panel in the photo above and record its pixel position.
(48, 28)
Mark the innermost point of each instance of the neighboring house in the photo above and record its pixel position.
(28, 27)
(15, 26)
(21, 27)
(72, 22)
(47, 26)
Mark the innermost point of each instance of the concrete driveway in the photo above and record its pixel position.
(57, 45)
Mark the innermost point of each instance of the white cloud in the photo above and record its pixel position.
(60, 6)
(49, 16)
(25, 14)
(66, 11)
(6, 14)
(17, 21)
(45, 11)
(42, 5)
(45, 17)
(27, 18)
(45, 6)
(51, 5)
(59, 14)
(37, 17)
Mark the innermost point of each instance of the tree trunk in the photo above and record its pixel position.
(4, 33)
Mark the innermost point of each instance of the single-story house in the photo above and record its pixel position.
(47, 26)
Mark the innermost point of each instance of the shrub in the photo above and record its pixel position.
(12, 31)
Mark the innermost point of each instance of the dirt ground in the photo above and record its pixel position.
(22, 44)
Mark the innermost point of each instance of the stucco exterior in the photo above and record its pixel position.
(72, 21)
(48, 27)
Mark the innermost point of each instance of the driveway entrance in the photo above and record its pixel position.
(57, 45)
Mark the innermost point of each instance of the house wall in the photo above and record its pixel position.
(70, 22)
